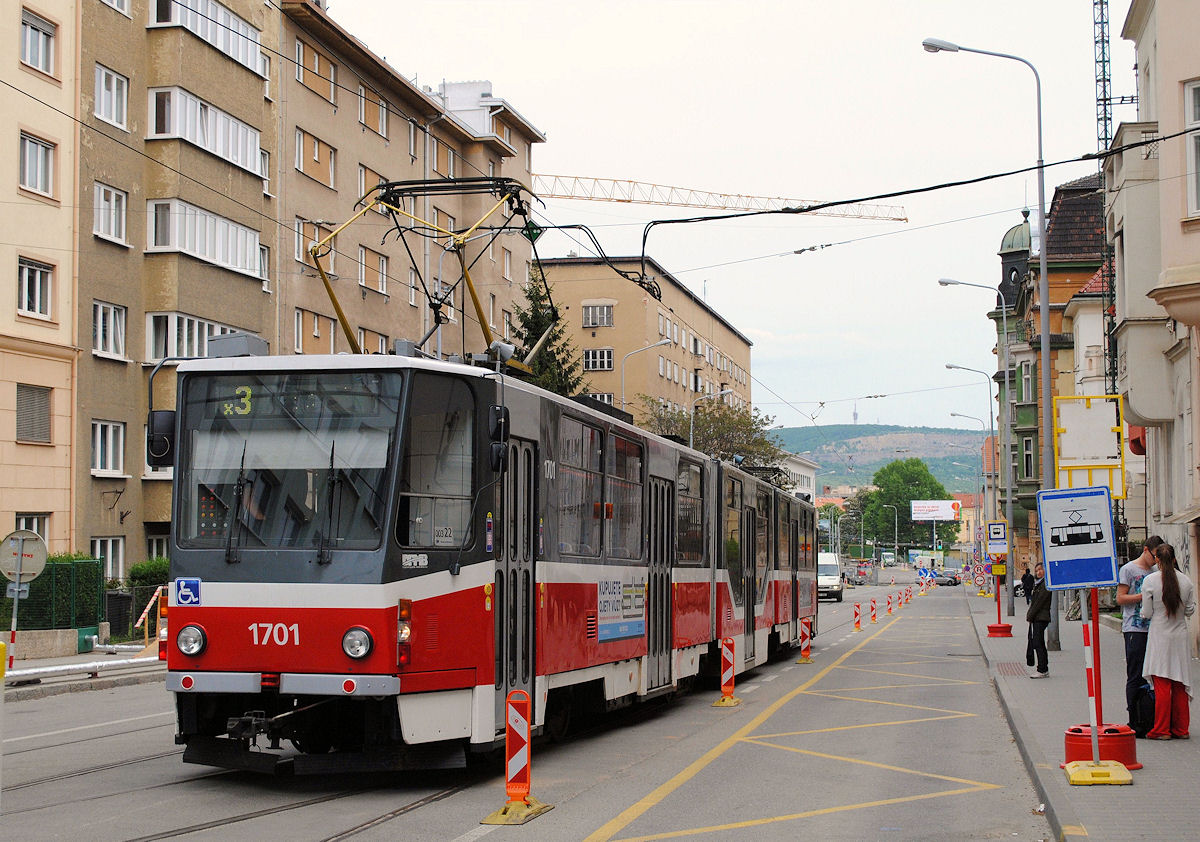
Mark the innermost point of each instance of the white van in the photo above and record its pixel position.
(829, 576)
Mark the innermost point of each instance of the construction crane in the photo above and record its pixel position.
(644, 193)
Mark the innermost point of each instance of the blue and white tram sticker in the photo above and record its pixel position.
(187, 591)
(621, 609)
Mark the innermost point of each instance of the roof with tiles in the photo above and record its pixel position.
(1075, 230)
(1095, 284)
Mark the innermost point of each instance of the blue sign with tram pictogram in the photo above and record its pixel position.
(1076, 526)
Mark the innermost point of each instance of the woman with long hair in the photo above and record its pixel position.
(1168, 599)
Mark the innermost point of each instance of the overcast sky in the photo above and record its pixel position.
(806, 100)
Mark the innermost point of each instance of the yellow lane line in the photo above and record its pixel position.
(826, 695)
(862, 725)
(888, 767)
(824, 811)
(910, 675)
(627, 816)
(898, 686)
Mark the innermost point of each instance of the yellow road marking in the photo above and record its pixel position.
(910, 675)
(824, 811)
(1074, 830)
(630, 814)
(861, 725)
(900, 686)
(874, 764)
(826, 695)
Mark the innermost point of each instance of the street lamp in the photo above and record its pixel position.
(657, 344)
(1005, 417)
(991, 430)
(936, 45)
(692, 423)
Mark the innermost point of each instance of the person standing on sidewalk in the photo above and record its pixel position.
(1168, 599)
(1038, 616)
(1027, 585)
(1133, 625)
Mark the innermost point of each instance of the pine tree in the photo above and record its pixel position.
(557, 367)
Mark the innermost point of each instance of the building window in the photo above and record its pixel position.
(179, 335)
(307, 235)
(157, 546)
(662, 366)
(33, 413)
(264, 266)
(315, 333)
(37, 42)
(1027, 451)
(111, 551)
(507, 324)
(492, 309)
(507, 255)
(372, 269)
(35, 287)
(38, 523)
(112, 96)
(175, 112)
(37, 165)
(264, 70)
(316, 71)
(1027, 382)
(599, 359)
(108, 448)
(372, 111)
(109, 219)
(371, 342)
(368, 180)
(108, 329)
(213, 23)
(597, 315)
(175, 225)
(412, 287)
(1191, 121)
(316, 158)
(603, 397)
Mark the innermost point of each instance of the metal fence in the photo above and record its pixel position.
(125, 608)
(67, 595)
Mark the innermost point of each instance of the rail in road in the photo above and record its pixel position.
(893, 732)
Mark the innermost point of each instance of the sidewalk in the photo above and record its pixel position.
(18, 688)
(1039, 713)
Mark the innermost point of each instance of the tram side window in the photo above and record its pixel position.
(439, 464)
(625, 495)
(579, 509)
(689, 519)
(783, 522)
(732, 551)
(762, 550)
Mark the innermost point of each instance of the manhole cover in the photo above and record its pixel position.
(1010, 668)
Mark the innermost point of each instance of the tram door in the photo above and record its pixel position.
(750, 594)
(514, 586)
(661, 528)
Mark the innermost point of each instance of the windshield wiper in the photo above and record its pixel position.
(324, 555)
(235, 522)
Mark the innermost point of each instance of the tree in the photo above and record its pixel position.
(718, 429)
(557, 367)
(897, 484)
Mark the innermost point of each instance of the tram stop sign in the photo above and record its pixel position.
(24, 550)
(1076, 526)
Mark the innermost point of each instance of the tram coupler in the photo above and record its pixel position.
(248, 726)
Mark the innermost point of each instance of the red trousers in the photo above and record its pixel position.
(1171, 713)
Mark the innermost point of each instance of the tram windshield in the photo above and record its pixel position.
(300, 457)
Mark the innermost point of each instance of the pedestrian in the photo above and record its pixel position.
(1168, 599)
(1027, 584)
(1038, 616)
(1133, 625)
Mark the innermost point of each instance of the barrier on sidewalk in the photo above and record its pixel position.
(805, 641)
(521, 806)
(727, 699)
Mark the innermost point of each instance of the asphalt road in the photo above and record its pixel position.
(892, 733)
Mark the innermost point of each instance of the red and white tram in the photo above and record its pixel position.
(369, 552)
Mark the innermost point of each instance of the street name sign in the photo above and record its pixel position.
(1077, 540)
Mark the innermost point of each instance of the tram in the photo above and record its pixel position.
(369, 552)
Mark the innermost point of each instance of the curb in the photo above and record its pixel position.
(1059, 816)
(41, 691)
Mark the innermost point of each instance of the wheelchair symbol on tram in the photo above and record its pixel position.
(187, 591)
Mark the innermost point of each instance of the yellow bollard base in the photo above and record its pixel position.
(1087, 773)
(727, 702)
(805, 660)
(518, 812)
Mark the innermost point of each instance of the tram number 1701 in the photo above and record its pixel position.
(264, 634)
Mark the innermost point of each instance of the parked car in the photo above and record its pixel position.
(947, 577)
(829, 576)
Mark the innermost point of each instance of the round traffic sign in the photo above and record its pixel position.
(25, 549)
(980, 580)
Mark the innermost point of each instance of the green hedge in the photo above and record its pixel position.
(69, 593)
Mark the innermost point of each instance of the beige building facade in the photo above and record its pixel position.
(611, 320)
(37, 312)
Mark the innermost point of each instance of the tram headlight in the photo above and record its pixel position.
(191, 640)
(357, 643)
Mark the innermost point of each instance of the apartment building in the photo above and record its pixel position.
(1152, 215)
(613, 322)
(348, 122)
(38, 333)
